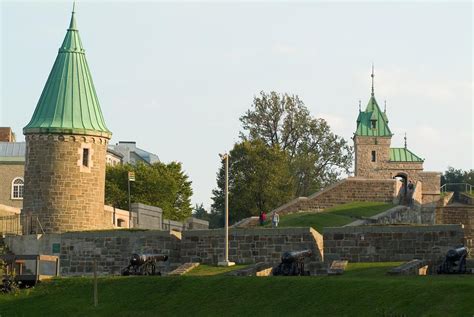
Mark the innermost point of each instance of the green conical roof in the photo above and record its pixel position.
(372, 113)
(69, 103)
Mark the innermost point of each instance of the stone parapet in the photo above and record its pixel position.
(348, 190)
(459, 214)
(390, 243)
(249, 245)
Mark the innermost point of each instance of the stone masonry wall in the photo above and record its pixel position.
(249, 245)
(459, 214)
(58, 190)
(390, 243)
(112, 250)
(8, 172)
(348, 190)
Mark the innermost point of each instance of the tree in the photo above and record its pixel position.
(159, 184)
(200, 212)
(259, 180)
(455, 177)
(317, 157)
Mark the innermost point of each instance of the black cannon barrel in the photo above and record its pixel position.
(456, 254)
(139, 259)
(295, 256)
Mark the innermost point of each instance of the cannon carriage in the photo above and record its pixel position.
(292, 264)
(455, 261)
(144, 264)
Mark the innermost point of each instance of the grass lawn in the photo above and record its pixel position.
(333, 217)
(364, 290)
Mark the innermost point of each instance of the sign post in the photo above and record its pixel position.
(131, 178)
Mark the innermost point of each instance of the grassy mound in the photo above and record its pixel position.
(364, 290)
(333, 217)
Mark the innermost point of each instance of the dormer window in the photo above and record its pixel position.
(373, 124)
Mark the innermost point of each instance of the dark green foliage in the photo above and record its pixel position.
(259, 179)
(317, 156)
(159, 184)
(452, 175)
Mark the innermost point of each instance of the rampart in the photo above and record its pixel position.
(459, 214)
(390, 243)
(348, 190)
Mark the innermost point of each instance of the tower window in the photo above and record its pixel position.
(85, 157)
(374, 156)
(17, 188)
(373, 124)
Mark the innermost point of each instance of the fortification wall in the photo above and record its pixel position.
(459, 214)
(63, 193)
(390, 243)
(348, 190)
(250, 245)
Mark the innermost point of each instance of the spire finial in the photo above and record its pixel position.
(72, 25)
(360, 109)
(385, 106)
(405, 140)
(372, 75)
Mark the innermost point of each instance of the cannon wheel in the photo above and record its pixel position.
(149, 269)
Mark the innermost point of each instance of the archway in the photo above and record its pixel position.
(402, 193)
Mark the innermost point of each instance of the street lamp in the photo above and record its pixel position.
(226, 261)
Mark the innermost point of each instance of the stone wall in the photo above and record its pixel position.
(63, 193)
(348, 190)
(459, 214)
(148, 217)
(250, 245)
(112, 250)
(390, 243)
(8, 172)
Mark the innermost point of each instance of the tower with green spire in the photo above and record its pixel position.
(373, 156)
(66, 141)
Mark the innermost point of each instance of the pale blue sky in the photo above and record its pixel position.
(177, 76)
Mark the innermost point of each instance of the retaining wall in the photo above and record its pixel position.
(390, 243)
(348, 190)
(459, 214)
(249, 245)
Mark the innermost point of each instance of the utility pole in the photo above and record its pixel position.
(131, 178)
(226, 261)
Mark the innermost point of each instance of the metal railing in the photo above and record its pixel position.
(457, 187)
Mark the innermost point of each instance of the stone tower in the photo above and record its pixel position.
(66, 142)
(373, 156)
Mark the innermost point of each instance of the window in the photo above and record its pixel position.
(373, 124)
(85, 157)
(374, 156)
(17, 188)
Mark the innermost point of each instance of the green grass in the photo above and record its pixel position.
(364, 290)
(208, 270)
(333, 217)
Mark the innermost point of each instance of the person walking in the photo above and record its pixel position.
(275, 219)
(260, 218)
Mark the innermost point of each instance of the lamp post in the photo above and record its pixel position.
(226, 261)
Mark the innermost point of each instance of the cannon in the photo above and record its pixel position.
(455, 261)
(144, 264)
(292, 263)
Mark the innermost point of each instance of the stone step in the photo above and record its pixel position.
(184, 268)
(337, 267)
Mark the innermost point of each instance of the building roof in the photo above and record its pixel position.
(12, 151)
(132, 154)
(69, 103)
(372, 113)
(403, 155)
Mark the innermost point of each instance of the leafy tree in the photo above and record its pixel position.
(259, 180)
(317, 157)
(200, 212)
(159, 184)
(455, 177)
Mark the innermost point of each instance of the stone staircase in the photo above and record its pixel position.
(184, 268)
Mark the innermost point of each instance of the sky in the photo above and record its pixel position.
(176, 76)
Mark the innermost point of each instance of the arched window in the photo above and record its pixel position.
(17, 188)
